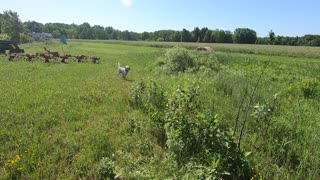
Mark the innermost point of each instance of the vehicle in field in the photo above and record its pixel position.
(9, 46)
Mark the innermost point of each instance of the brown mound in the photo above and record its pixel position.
(204, 49)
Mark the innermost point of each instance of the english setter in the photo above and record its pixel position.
(123, 70)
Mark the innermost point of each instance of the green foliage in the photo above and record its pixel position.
(310, 87)
(24, 38)
(11, 25)
(33, 26)
(314, 42)
(59, 121)
(106, 168)
(4, 37)
(207, 62)
(185, 36)
(179, 59)
(138, 94)
(244, 36)
(152, 100)
(160, 39)
(192, 134)
(271, 37)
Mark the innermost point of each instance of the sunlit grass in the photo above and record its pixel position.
(57, 121)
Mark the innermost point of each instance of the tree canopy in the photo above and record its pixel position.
(244, 36)
(11, 25)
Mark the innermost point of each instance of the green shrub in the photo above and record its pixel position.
(209, 61)
(192, 133)
(24, 38)
(179, 59)
(150, 98)
(160, 39)
(309, 87)
(4, 37)
(138, 94)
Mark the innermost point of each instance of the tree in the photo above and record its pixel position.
(207, 36)
(196, 34)
(220, 36)
(262, 40)
(98, 32)
(228, 37)
(0, 22)
(271, 37)
(33, 26)
(145, 36)
(244, 36)
(108, 31)
(202, 33)
(85, 31)
(11, 25)
(72, 31)
(177, 36)
(56, 34)
(185, 36)
(314, 42)
(125, 35)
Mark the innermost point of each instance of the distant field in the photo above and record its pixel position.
(275, 50)
(83, 121)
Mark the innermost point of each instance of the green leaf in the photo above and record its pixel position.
(246, 154)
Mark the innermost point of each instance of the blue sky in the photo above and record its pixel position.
(284, 17)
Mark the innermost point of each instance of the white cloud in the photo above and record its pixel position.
(127, 3)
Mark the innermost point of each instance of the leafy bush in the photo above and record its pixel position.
(182, 60)
(310, 87)
(208, 60)
(160, 39)
(179, 59)
(24, 38)
(192, 133)
(4, 37)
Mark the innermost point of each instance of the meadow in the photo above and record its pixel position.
(274, 50)
(241, 112)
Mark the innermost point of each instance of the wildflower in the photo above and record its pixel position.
(18, 158)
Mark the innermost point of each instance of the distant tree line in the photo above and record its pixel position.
(12, 28)
(306, 40)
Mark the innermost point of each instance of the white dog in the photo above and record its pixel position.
(123, 70)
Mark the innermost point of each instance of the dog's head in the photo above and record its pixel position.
(127, 68)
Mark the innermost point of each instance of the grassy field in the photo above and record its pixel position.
(83, 121)
(275, 50)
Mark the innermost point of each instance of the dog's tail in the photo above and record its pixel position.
(119, 65)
